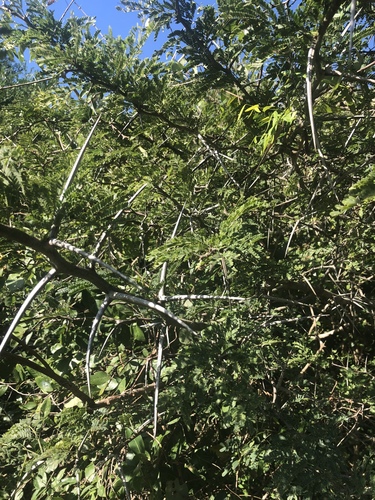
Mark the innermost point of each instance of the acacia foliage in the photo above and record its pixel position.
(235, 162)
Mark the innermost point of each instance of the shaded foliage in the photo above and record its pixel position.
(207, 331)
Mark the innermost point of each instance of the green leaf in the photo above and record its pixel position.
(137, 333)
(137, 445)
(90, 472)
(101, 491)
(15, 283)
(74, 402)
(45, 407)
(44, 383)
(255, 108)
(99, 378)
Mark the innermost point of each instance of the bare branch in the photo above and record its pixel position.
(34, 292)
(72, 248)
(313, 63)
(66, 10)
(309, 94)
(349, 77)
(23, 84)
(157, 377)
(94, 328)
(111, 224)
(57, 219)
(128, 393)
(162, 311)
(170, 298)
(52, 375)
(216, 155)
(163, 273)
(353, 5)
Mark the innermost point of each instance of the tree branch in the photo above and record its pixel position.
(52, 375)
(65, 267)
(61, 265)
(334, 6)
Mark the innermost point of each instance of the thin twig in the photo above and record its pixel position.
(368, 66)
(78, 161)
(347, 27)
(347, 76)
(311, 60)
(66, 10)
(291, 236)
(79, 251)
(25, 476)
(119, 213)
(268, 322)
(111, 224)
(164, 330)
(127, 393)
(331, 332)
(163, 273)
(16, 85)
(94, 329)
(309, 95)
(216, 155)
(307, 365)
(123, 479)
(56, 221)
(77, 460)
(162, 335)
(352, 25)
(313, 63)
(170, 298)
(352, 133)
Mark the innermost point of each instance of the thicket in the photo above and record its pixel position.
(187, 253)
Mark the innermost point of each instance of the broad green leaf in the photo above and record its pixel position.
(74, 402)
(99, 378)
(137, 445)
(255, 108)
(137, 333)
(45, 407)
(90, 472)
(44, 383)
(15, 283)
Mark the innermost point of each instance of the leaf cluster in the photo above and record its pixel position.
(208, 329)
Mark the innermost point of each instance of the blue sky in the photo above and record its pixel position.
(103, 10)
(107, 15)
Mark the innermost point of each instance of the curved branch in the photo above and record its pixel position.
(58, 215)
(34, 292)
(65, 267)
(162, 311)
(53, 375)
(58, 262)
(111, 224)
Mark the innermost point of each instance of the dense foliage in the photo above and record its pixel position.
(189, 241)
